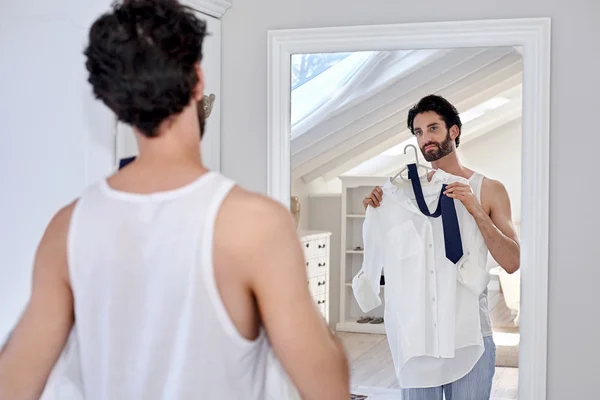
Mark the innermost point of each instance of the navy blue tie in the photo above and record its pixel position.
(446, 209)
(124, 161)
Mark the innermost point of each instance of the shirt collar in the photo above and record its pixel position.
(439, 178)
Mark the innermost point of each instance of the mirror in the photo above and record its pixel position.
(349, 133)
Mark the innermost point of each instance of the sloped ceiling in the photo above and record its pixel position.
(350, 133)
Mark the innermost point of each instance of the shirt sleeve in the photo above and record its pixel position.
(366, 284)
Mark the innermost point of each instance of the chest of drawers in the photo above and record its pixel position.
(316, 245)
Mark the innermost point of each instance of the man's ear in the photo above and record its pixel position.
(199, 89)
(454, 131)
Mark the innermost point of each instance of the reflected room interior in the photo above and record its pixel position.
(349, 134)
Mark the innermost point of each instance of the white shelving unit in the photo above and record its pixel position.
(354, 190)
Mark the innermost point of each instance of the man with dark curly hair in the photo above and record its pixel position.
(177, 281)
(437, 126)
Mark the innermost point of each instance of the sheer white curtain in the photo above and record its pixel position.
(323, 93)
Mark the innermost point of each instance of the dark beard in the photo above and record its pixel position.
(443, 149)
(201, 118)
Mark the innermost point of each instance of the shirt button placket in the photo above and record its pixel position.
(432, 257)
(433, 286)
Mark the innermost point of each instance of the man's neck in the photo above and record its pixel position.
(172, 148)
(175, 156)
(178, 140)
(452, 165)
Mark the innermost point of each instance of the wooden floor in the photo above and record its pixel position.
(372, 366)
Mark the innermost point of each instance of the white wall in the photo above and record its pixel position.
(497, 155)
(575, 81)
(321, 186)
(53, 139)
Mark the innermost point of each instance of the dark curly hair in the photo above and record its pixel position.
(441, 107)
(142, 58)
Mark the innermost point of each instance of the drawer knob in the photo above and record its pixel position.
(321, 302)
(307, 245)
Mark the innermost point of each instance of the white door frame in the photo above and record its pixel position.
(533, 35)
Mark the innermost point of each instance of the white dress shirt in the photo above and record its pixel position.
(432, 322)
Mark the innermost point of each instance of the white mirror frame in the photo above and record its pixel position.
(534, 36)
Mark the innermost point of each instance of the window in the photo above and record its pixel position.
(316, 81)
(307, 66)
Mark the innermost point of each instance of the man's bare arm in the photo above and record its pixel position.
(497, 228)
(273, 261)
(36, 343)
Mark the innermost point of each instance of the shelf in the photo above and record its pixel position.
(353, 326)
(355, 215)
(355, 252)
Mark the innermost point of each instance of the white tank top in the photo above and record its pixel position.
(484, 312)
(150, 323)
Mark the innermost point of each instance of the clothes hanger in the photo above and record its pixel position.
(419, 165)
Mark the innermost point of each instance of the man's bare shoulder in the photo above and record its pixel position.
(492, 186)
(51, 255)
(58, 227)
(493, 192)
(251, 208)
(63, 216)
(248, 219)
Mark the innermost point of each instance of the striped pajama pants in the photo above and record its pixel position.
(476, 385)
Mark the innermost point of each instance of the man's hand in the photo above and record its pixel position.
(373, 199)
(464, 193)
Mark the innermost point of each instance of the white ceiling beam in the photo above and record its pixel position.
(416, 61)
(463, 100)
(468, 92)
(427, 73)
(363, 85)
(380, 118)
(492, 121)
